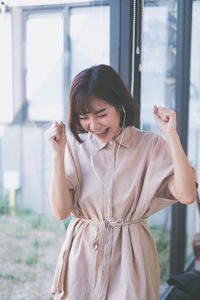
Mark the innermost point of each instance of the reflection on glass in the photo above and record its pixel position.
(89, 37)
(6, 91)
(159, 58)
(194, 123)
(158, 87)
(44, 62)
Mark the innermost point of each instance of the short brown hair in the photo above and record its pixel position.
(104, 83)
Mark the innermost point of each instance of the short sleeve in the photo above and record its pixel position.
(70, 165)
(159, 171)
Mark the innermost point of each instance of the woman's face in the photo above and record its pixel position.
(102, 120)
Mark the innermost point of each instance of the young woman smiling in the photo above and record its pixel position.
(111, 176)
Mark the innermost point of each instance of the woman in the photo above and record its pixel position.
(115, 176)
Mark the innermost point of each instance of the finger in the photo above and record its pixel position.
(64, 127)
(167, 113)
(60, 125)
(54, 125)
(155, 109)
(155, 113)
(55, 137)
(164, 113)
(52, 134)
(164, 117)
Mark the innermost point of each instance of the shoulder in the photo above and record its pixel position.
(147, 137)
(149, 142)
(73, 145)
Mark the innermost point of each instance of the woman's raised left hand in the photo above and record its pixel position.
(165, 119)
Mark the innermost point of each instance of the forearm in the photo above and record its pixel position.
(61, 198)
(183, 186)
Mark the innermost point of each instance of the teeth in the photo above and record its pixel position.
(100, 133)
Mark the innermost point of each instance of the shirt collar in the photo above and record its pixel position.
(126, 141)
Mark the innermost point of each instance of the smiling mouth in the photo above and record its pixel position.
(101, 134)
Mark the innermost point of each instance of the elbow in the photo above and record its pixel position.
(61, 216)
(188, 199)
(61, 209)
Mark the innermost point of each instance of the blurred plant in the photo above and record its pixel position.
(9, 276)
(37, 221)
(31, 259)
(4, 209)
(162, 239)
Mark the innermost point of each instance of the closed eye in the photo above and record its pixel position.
(101, 116)
(83, 118)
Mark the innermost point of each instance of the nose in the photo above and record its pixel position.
(94, 124)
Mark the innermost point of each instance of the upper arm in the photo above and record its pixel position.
(171, 187)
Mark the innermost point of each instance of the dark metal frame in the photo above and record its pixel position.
(121, 38)
(184, 24)
(137, 52)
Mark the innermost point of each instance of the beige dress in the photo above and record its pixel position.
(109, 252)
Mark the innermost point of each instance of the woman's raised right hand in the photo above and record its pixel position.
(56, 137)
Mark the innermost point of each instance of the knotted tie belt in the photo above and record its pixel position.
(101, 241)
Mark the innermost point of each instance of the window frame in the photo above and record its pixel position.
(178, 222)
(7, 123)
(65, 9)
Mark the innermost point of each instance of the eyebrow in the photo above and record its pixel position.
(100, 111)
(96, 112)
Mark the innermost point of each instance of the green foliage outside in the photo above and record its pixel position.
(162, 239)
(3, 205)
(30, 245)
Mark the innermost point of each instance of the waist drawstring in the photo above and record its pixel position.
(100, 243)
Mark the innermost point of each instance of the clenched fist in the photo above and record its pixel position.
(165, 119)
(56, 136)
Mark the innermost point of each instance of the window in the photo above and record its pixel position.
(58, 45)
(6, 90)
(44, 65)
(158, 87)
(194, 123)
(89, 37)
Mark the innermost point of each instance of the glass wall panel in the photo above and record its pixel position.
(89, 37)
(44, 65)
(29, 252)
(194, 123)
(6, 90)
(158, 87)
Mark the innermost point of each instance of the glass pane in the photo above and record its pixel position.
(89, 37)
(44, 62)
(13, 3)
(6, 90)
(194, 123)
(158, 87)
